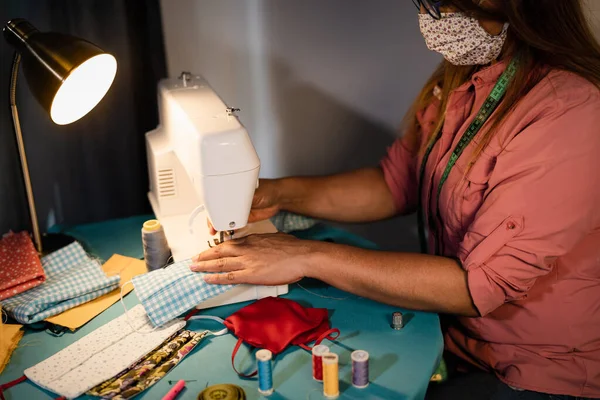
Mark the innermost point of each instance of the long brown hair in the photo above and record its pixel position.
(545, 34)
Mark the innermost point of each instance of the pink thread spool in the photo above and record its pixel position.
(317, 361)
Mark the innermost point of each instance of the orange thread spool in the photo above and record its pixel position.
(331, 380)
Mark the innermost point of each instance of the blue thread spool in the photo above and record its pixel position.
(360, 369)
(265, 372)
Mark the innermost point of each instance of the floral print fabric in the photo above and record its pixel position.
(460, 39)
(150, 369)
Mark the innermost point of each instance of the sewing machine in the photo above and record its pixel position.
(202, 166)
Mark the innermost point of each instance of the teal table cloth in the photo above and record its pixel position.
(401, 361)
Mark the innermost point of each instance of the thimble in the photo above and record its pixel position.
(397, 320)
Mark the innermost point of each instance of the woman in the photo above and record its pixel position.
(501, 158)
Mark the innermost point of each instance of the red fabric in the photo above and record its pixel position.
(274, 323)
(20, 265)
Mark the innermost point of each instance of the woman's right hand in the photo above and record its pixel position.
(265, 203)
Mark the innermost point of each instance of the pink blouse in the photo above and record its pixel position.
(524, 222)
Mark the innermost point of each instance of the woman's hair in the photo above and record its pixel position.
(543, 33)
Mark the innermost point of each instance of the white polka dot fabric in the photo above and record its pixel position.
(20, 266)
(460, 39)
(101, 355)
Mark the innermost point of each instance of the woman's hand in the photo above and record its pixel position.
(270, 259)
(265, 203)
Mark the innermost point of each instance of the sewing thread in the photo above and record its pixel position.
(317, 361)
(331, 380)
(265, 372)
(133, 328)
(156, 248)
(360, 369)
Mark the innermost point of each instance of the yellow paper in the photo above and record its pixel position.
(127, 268)
(9, 338)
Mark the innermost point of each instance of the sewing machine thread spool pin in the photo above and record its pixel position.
(185, 77)
(231, 111)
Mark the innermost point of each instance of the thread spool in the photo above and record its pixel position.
(360, 369)
(317, 361)
(156, 248)
(265, 372)
(331, 380)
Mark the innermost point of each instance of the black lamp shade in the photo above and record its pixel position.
(50, 59)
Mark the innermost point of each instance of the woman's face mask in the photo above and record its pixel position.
(461, 39)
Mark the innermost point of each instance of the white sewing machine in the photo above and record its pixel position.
(202, 164)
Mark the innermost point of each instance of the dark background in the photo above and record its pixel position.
(95, 168)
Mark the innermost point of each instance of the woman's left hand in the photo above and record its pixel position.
(268, 259)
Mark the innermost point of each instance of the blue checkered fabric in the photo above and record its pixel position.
(289, 222)
(72, 278)
(167, 293)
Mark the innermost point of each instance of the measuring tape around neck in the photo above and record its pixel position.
(489, 106)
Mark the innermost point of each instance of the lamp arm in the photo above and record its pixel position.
(17, 126)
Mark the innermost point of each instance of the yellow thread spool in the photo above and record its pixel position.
(331, 381)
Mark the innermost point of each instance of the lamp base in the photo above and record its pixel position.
(55, 241)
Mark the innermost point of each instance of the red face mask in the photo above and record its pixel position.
(274, 323)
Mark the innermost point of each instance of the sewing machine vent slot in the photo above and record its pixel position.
(166, 182)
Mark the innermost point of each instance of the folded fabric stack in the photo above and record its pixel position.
(72, 278)
(20, 266)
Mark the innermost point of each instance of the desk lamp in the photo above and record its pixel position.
(68, 76)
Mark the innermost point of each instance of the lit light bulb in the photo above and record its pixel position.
(83, 89)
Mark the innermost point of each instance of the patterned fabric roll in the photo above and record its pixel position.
(150, 369)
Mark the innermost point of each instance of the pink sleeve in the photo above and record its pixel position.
(399, 171)
(543, 199)
(400, 164)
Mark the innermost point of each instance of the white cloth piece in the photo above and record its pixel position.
(101, 354)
